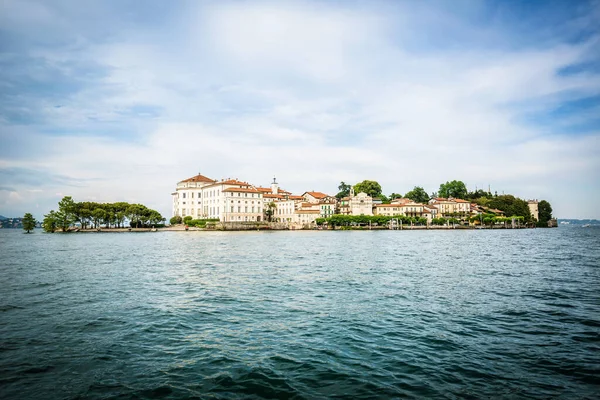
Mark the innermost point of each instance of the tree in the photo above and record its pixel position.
(395, 196)
(187, 219)
(372, 188)
(175, 220)
(28, 222)
(97, 216)
(120, 218)
(478, 194)
(384, 199)
(511, 205)
(49, 224)
(344, 190)
(270, 210)
(456, 189)
(155, 218)
(65, 217)
(418, 194)
(544, 212)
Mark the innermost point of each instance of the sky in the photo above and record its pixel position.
(119, 100)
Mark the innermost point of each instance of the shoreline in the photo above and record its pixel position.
(268, 228)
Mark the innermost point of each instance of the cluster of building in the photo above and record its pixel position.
(232, 200)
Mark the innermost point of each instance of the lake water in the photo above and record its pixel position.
(375, 314)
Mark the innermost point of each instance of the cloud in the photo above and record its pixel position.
(312, 92)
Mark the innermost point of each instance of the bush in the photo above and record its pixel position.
(187, 220)
(201, 223)
(175, 220)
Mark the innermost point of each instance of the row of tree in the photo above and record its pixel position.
(508, 204)
(455, 189)
(94, 215)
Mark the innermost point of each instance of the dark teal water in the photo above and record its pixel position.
(434, 314)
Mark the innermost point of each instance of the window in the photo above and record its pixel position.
(192, 195)
(239, 209)
(184, 195)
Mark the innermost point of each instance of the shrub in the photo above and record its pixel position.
(175, 220)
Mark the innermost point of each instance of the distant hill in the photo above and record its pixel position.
(3, 217)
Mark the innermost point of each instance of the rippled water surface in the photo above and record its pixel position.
(428, 314)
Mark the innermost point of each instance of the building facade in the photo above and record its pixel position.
(227, 200)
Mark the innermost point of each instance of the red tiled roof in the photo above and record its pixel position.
(234, 182)
(317, 195)
(307, 212)
(273, 196)
(246, 190)
(296, 198)
(199, 178)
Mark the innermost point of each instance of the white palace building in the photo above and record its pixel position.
(228, 200)
(232, 200)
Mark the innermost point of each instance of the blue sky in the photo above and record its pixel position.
(119, 100)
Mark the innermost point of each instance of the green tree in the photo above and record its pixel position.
(98, 216)
(270, 210)
(456, 189)
(384, 199)
(372, 188)
(544, 212)
(120, 218)
(395, 196)
(65, 217)
(28, 222)
(511, 205)
(155, 217)
(344, 190)
(418, 194)
(175, 220)
(478, 194)
(49, 224)
(187, 219)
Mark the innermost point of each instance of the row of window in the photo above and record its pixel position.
(216, 193)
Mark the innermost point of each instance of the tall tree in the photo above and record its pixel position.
(456, 189)
(66, 213)
(344, 190)
(270, 210)
(49, 224)
(97, 216)
(372, 188)
(28, 222)
(544, 211)
(418, 194)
